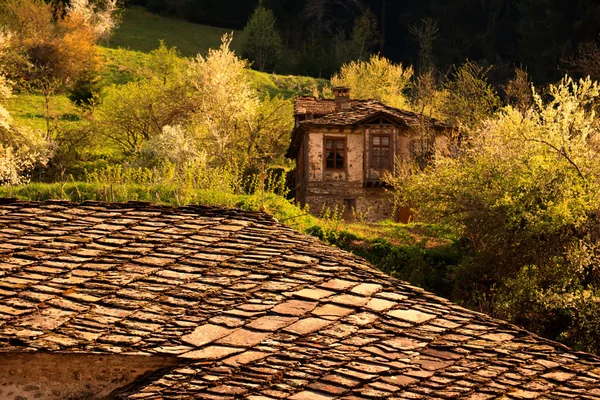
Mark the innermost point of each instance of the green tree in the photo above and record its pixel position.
(165, 63)
(378, 78)
(262, 43)
(425, 34)
(269, 130)
(364, 36)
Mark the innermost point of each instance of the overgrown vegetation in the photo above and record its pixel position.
(523, 193)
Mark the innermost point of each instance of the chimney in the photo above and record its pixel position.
(342, 98)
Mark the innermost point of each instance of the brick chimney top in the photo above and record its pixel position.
(342, 97)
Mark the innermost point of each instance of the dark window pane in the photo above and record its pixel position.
(381, 149)
(329, 163)
(334, 153)
(339, 161)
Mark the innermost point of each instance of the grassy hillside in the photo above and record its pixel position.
(141, 30)
(29, 110)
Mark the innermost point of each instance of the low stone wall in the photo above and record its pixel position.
(43, 376)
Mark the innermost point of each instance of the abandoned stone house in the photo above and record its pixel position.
(343, 148)
(133, 301)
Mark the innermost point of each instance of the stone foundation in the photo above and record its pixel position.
(371, 204)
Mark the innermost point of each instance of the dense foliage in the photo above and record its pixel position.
(523, 192)
(262, 44)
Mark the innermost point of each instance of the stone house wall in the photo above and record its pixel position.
(43, 376)
(326, 192)
(358, 185)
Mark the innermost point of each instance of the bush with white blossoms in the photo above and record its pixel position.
(21, 149)
(101, 17)
(174, 144)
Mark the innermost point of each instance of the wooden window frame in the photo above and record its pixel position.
(390, 152)
(334, 138)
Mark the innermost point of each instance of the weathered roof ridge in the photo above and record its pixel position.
(358, 112)
(254, 310)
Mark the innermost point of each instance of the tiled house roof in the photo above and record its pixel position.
(252, 309)
(357, 112)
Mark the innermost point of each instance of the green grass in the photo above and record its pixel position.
(286, 85)
(121, 65)
(164, 194)
(29, 110)
(141, 30)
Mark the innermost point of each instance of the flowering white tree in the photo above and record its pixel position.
(102, 17)
(173, 144)
(20, 149)
(226, 100)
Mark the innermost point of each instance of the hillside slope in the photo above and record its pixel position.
(141, 30)
(139, 33)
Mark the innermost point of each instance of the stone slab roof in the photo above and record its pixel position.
(358, 112)
(252, 309)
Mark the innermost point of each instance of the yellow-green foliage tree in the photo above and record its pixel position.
(468, 97)
(133, 113)
(524, 192)
(378, 78)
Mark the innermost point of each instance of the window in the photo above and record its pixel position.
(335, 153)
(381, 151)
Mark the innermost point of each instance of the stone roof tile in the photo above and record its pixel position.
(252, 309)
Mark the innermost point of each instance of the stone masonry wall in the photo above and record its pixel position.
(28, 376)
(372, 204)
